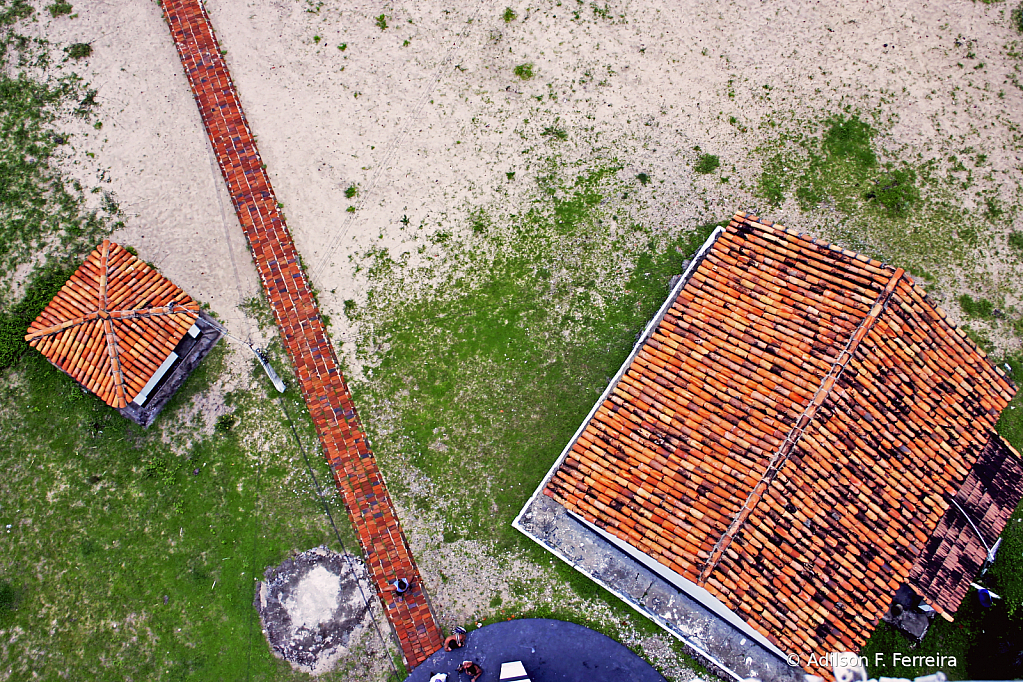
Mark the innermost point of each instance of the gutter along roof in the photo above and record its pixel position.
(789, 435)
(113, 324)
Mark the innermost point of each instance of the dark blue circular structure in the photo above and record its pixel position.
(550, 651)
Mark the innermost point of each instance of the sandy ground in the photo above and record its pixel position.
(426, 118)
(428, 130)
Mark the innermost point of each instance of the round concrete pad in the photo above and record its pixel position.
(550, 650)
(311, 606)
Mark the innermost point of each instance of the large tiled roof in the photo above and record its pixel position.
(113, 324)
(983, 505)
(788, 435)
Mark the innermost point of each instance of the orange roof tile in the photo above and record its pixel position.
(792, 430)
(113, 324)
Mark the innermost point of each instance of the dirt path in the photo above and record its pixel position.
(305, 338)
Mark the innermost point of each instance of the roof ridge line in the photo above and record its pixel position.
(796, 432)
(61, 326)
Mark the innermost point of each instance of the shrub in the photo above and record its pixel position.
(509, 15)
(643, 178)
(225, 423)
(524, 71)
(351, 191)
(59, 8)
(1016, 241)
(8, 597)
(708, 163)
(382, 22)
(79, 50)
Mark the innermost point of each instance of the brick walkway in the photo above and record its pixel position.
(355, 471)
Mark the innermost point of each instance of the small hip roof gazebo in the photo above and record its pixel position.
(124, 332)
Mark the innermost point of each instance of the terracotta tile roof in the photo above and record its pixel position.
(955, 553)
(787, 434)
(113, 324)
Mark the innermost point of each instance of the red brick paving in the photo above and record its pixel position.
(355, 471)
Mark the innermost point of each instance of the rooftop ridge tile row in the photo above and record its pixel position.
(326, 393)
(809, 414)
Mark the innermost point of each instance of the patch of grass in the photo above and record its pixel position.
(979, 308)
(1016, 18)
(774, 180)
(490, 368)
(40, 213)
(381, 22)
(9, 598)
(524, 71)
(79, 50)
(509, 15)
(14, 321)
(707, 163)
(896, 211)
(896, 191)
(351, 191)
(350, 308)
(121, 532)
(13, 12)
(59, 9)
(849, 140)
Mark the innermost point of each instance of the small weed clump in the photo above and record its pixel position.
(524, 71)
(351, 191)
(509, 15)
(643, 178)
(382, 22)
(59, 9)
(343, 46)
(707, 163)
(79, 50)
(555, 132)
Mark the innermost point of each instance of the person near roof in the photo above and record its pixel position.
(456, 640)
(470, 669)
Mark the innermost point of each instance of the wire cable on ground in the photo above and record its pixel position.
(255, 566)
(337, 534)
